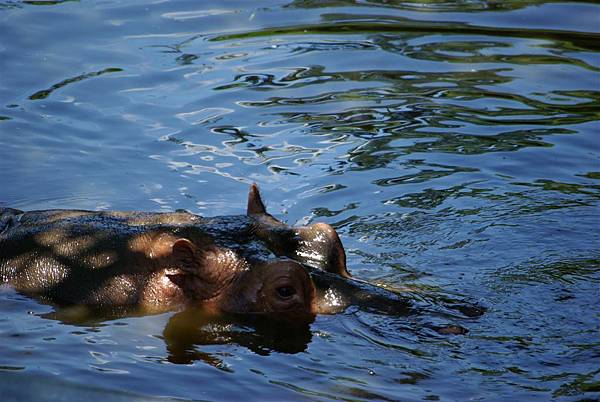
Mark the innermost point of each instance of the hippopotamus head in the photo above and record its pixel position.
(221, 280)
(317, 245)
(220, 277)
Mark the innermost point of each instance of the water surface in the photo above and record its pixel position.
(453, 145)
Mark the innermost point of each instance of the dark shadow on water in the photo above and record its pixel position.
(187, 331)
(190, 329)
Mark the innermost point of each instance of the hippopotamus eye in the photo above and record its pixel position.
(285, 292)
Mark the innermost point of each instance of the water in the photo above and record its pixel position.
(453, 144)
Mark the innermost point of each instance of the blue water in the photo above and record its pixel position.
(453, 144)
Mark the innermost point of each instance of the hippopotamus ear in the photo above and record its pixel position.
(255, 204)
(202, 271)
(256, 209)
(184, 253)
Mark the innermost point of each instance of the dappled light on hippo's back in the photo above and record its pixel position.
(452, 145)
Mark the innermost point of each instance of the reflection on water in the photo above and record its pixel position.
(453, 145)
(46, 92)
(188, 330)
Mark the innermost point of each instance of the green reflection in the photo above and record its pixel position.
(565, 271)
(565, 188)
(43, 94)
(581, 384)
(337, 24)
(471, 52)
(432, 5)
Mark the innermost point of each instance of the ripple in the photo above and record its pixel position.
(452, 144)
(358, 23)
(203, 116)
(43, 94)
(190, 15)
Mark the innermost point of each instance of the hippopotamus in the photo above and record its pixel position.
(156, 262)
(149, 262)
